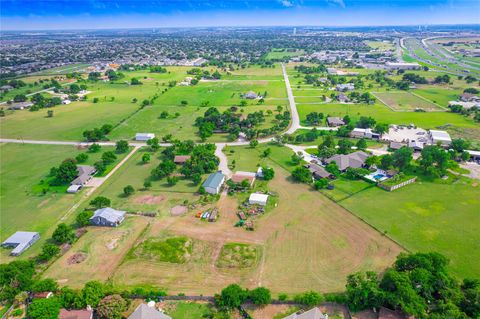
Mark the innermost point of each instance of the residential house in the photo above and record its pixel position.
(181, 159)
(318, 171)
(20, 241)
(145, 312)
(214, 182)
(85, 173)
(345, 87)
(251, 95)
(465, 105)
(107, 217)
(144, 136)
(364, 133)
(6, 88)
(258, 199)
(353, 160)
(76, 314)
(20, 105)
(343, 98)
(335, 121)
(313, 313)
(469, 97)
(396, 145)
(402, 66)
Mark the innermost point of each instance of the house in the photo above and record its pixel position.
(214, 182)
(313, 313)
(402, 66)
(181, 159)
(240, 176)
(76, 314)
(440, 137)
(335, 121)
(465, 105)
(474, 155)
(85, 173)
(20, 241)
(386, 313)
(107, 217)
(332, 71)
(345, 87)
(42, 295)
(20, 105)
(318, 171)
(6, 88)
(353, 160)
(364, 133)
(145, 312)
(251, 95)
(199, 62)
(396, 145)
(469, 97)
(144, 136)
(343, 98)
(258, 199)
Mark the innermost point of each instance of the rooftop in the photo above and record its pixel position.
(214, 180)
(109, 213)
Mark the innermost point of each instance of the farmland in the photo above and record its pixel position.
(406, 101)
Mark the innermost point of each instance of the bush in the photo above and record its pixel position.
(16, 313)
(260, 296)
(83, 218)
(48, 252)
(44, 309)
(231, 297)
(111, 307)
(309, 298)
(100, 202)
(128, 190)
(63, 234)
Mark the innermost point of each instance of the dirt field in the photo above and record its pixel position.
(101, 248)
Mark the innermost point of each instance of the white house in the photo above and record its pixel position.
(259, 199)
(144, 136)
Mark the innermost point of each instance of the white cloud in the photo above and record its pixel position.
(337, 2)
(286, 3)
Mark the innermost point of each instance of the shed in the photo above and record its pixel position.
(214, 182)
(20, 241)
(441, 137)
(144, 136)
(107, 217)
(259, 199)
(72, 189)
(239, 177)
(181, 159)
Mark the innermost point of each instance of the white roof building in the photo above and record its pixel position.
(144, 136)
(20, 241)
(441, 137)
(259, 199)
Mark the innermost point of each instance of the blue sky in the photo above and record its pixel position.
(88, 14)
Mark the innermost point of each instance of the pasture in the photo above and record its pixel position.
(406, 101)
(427, 216)
(278, 54)
(22, 168)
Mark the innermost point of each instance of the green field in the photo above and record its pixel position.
(380, 45)
(406, 101)
(22, 167)
(278, 54)
(427, 216)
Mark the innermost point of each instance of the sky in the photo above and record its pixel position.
(108, 14)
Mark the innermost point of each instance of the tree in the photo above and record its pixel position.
(332, 168)
(135, 81)
(344, 146)
(83, 218)
(50, 113)
(44, 308)
(81, 158)
(372, 160)
(100, 167)
(231, 297)
(320, 183)
(381, 128)
(48, 252)
(163, 169)
(153, 143)
(266, 152)
(296, 158)
(363, 291)
(94, 148)
(302, 174)
(402, 157)
(361, 144)
(328, 141)
(44, 285)
(111, 307)
(309, 298)
(19, 98)
(460, 145)
(260, 296)
(172, 180)
(433, 160)
(386, 161)
(147, 184)
(66, 172)
(108, 157)
(146, 158)
(366, 122)
(100, 202)
(92, 293)
(253, 143)
(326, 152)
(121, 146)
(268, 173)
(128, 190)
(63, 234)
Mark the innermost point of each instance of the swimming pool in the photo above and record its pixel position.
(379, 176)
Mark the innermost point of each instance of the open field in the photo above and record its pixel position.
(22, 167)
(380, 45)
(283, 53)
(427, 216)
(76, 67)
(406, 101)
(103, 249)
(306, 234)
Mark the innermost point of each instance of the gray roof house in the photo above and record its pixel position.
(313, 313)
(20, 105)
(335, 121)
(251, 95)
(145, 312)
(107, 217)
(354, 160)
(20, 241)
(85, 173)
(318, 171)
(214, 182)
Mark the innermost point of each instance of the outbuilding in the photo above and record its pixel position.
(107, 217)
(214, 182)
(144, 136)
(20, 241)
(258, 199)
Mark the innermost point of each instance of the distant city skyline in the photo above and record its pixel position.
(109, 14)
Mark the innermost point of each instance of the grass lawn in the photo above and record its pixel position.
(188, 310)
(427, 216)
(22, 167)
(344, 188)
(380, 45)
(283, 53)
(440, 96)
(406, 101)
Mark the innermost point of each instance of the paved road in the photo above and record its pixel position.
(223, 165)
(44, 90)
(295, 125)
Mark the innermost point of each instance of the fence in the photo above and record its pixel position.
(394, 187)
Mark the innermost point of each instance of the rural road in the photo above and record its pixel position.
(295, 125)
(223, 165)
(41, 91)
